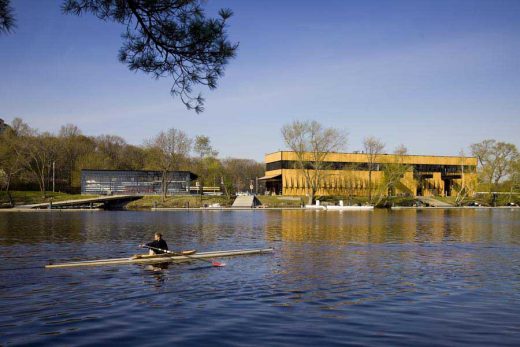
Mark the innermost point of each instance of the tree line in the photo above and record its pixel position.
(34, 160)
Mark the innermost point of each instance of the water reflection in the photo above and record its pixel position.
(383, 226)
(366, 277)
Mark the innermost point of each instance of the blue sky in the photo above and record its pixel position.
(435, 76)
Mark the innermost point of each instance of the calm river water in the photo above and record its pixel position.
(380, 278)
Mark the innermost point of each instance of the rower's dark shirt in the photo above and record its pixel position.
(158, 244)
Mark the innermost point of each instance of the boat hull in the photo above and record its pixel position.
(350, 208)
(163, 255)
(162, 259)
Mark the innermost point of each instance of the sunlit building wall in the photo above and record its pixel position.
(348, 174)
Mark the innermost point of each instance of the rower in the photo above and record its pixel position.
(157, 243)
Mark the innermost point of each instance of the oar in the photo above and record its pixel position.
(214, 263)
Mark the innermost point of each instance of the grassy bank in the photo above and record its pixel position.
(36, 197)
(148, 202)
(196, 201)
(483, 200)
(280, 201)
(266, 200)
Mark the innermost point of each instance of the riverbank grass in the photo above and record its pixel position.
(179, 201)
(197, 201)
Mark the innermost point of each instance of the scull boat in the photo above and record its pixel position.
(145, 259)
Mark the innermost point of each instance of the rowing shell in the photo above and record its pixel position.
(150, 260)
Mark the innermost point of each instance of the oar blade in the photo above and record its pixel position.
(217, 264)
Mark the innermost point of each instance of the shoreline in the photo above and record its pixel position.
(452, 207)
(202, 209)
(15, 209)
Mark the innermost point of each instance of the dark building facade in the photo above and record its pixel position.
(3, 126)
(108, 182)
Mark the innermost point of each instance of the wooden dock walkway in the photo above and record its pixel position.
(99, 202)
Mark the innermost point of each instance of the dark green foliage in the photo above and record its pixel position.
(168, 38)
(164, 38)
(7, 22)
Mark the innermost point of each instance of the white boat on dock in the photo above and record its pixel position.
(350, 208)
(339, 207)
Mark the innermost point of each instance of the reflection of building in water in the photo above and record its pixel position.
(378, 226)
(438, 224)
(465, 227)
(406, 221)
(347, 174)
(334, 228)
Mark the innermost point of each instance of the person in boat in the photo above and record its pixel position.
(158, 242)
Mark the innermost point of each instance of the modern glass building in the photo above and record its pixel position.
(3, 126)
(108, 182)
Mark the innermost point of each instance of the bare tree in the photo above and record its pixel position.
(393, 173)
(37, 154)
(20, 128)
(372, 148)
(169, 151)
(495, 159)
(71, 148)
(10, 164)
(238, 173)
(12, 158)
(69, 130)
(465, 187)
(311, 143)
(400, 151)
(112, 147)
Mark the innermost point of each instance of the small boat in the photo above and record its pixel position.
(350, 208)
(146, 259)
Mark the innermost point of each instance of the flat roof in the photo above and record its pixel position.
(407, 155)
(157, 171)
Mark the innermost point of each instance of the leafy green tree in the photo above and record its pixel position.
(203, 148)
(514, 175)
(206, 165)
